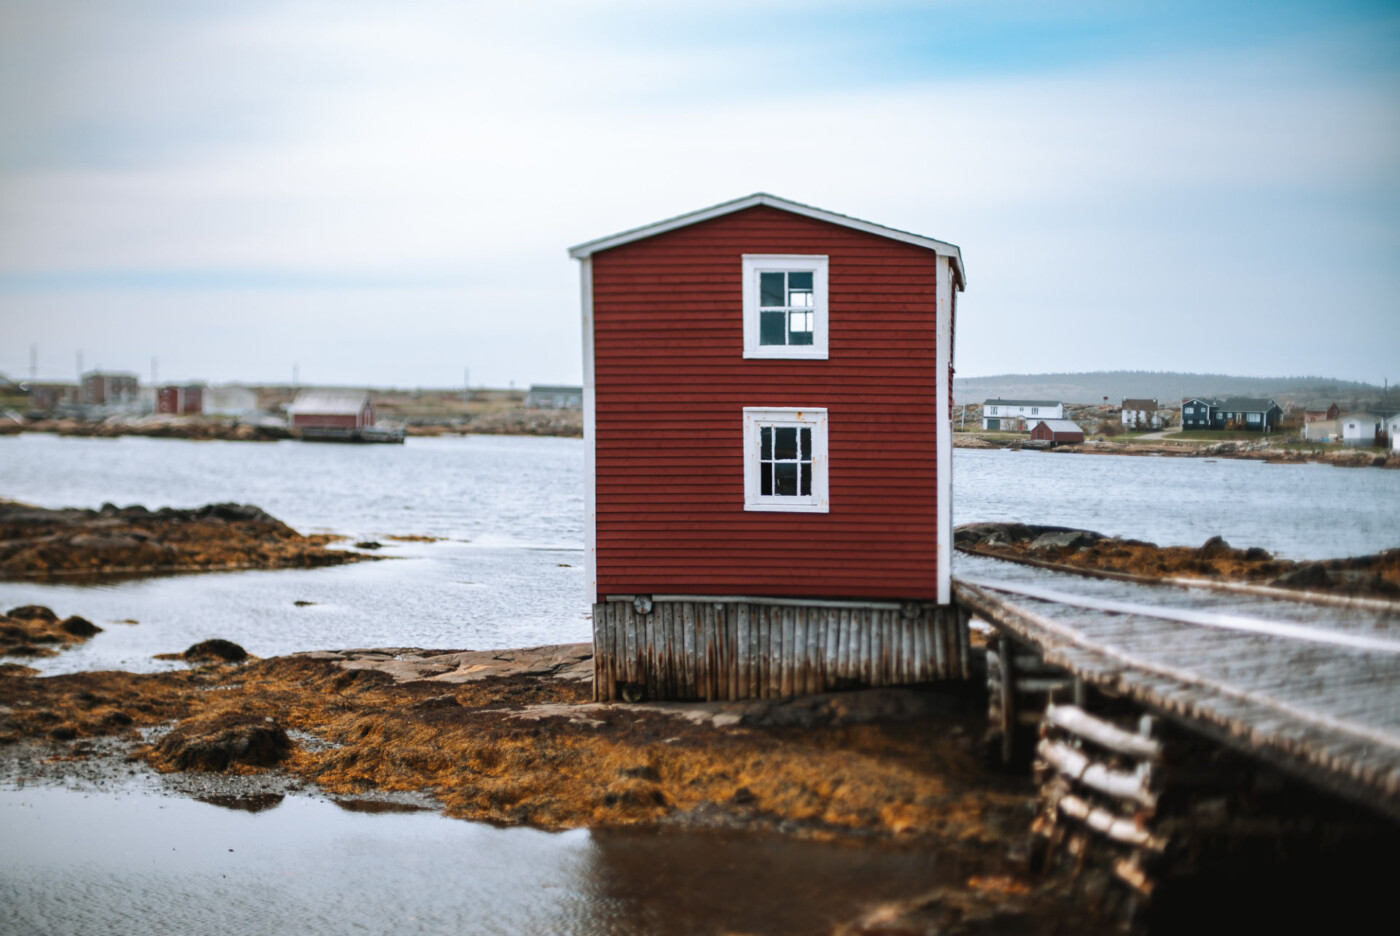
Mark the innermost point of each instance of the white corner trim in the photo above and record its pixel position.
(590, 435)
(817, 264)
(756, 417)
(944, 428)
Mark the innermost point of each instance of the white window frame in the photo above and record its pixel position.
(816, 264)
(756, 417)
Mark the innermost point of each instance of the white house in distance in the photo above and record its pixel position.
(1141, 414)
(1363, 428)
(230, 400)
(1016, 415)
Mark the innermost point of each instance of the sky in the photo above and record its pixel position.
(382, 193)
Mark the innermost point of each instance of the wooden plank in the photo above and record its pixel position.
(1005, 655)
(710, 656)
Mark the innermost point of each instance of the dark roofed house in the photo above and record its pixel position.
(1248, 413)
(1253, 414)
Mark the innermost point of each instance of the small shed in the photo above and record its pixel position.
(769, 460)
(331, 409)
(176, 400)
(1057, 432)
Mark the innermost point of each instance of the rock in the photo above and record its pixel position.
(1311, 576)
(79, 627)
(1067, 539)
(1256, 554)
(1214, 548)
(235, 739)
(215, 649)
(369, 544)
(32, 613)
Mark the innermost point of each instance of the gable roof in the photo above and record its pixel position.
(1060, 425)
(329, 402)
(942, 248)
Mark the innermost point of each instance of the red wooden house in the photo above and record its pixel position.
(767, 414)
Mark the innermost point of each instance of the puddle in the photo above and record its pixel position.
(134, 861)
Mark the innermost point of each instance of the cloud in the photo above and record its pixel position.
(1115, 193)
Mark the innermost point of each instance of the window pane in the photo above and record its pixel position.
(785, 480)
(806, 437)
(770, 289)
(800, 299)
(770, 328)
(765, 446)
(800, 328)
(786, 442)
(806, 490)
(800, 281)
(765, 484)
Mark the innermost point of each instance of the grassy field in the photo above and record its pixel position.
(1226, 435)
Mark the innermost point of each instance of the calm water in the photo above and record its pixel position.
(510, 572)
(136, 862)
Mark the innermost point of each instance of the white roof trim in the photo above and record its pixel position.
(942, 248)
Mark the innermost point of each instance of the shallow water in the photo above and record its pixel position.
(509, 574)
(510, 571)
(134, 862)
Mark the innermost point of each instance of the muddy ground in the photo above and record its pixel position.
(37, 542)
(1376, 575)
(514, 738)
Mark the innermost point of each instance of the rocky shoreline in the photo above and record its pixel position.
(1373, 576)
(513, 738)
(561, 423)
(38, 542)
(1248, 451)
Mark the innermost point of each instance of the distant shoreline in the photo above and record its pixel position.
(1273, 453)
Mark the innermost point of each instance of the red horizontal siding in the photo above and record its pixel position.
(670, 386)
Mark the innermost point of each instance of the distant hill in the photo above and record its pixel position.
(1165, 386)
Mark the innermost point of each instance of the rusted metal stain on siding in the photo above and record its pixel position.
(737, 649)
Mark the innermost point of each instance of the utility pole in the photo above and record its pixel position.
(155, 370)
(466, 384)
(80, 365)
(296, 376)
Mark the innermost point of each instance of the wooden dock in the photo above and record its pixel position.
(1320, 700)
(1185, 740)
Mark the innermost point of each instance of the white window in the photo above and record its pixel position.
(992, 411)
(785, 309)
(1035, 411)
(785, 459)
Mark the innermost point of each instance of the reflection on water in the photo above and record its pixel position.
(138, 863)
